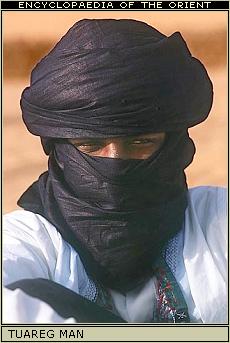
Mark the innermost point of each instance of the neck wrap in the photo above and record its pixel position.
(115, 78)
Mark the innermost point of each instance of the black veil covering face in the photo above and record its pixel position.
(115, 78)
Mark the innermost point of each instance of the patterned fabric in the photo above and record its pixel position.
(171, 306)
(91, 291)
(173, 250)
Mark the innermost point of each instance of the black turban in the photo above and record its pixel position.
(116, 78)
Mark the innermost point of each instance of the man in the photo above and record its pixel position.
(110, 232)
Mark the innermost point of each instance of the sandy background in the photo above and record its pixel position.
(29, 35)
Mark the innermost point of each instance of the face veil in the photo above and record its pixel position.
(115, 78)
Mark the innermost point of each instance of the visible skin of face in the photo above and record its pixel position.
(130, 147)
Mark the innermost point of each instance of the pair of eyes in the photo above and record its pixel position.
(90, 146)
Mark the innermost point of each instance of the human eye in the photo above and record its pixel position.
(87, 146)
(146, 144)
(144, 141)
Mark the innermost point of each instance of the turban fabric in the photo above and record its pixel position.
(115, 78)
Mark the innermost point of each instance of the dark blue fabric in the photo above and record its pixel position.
(117, 214)
(113, 78)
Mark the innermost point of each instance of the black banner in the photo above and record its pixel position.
(114, 5)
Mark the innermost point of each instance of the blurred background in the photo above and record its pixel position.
(27, 36)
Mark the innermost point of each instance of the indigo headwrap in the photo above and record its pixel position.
(115, 78)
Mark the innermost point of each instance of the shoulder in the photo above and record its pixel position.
(34, 248)
(208, 198)
(30, 225)
(207, 206)
(205, 251)
(31, 246)
(206, 216)
(23, 217)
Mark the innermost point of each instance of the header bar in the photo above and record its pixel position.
(114, 5)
